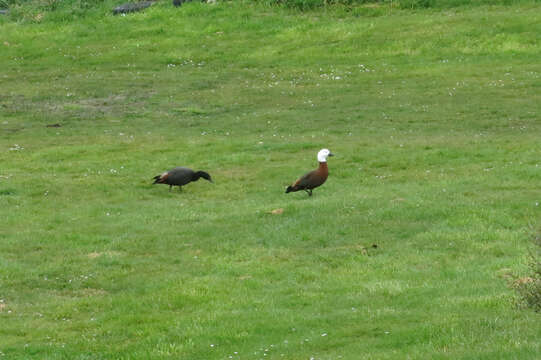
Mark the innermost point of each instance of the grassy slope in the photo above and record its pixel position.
(434, 117)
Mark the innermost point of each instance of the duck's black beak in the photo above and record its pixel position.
(331, 154)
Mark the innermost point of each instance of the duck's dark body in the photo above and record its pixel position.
(311, 180)
(180, 176)
(179, 2)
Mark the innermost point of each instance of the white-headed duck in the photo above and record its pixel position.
(314, 178)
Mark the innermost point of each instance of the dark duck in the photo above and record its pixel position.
(314, 178)
(180, 176)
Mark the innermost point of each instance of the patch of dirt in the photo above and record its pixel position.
(88, 292)
(365, 250)
(94, 255)
(523, 281)
(69, 107)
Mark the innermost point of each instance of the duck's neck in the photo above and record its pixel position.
(196, 176)
(323, 167)
(201, 174)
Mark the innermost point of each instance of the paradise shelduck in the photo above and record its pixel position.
(314, 178)
(180, 176)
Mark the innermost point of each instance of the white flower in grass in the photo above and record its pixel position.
(16, 147)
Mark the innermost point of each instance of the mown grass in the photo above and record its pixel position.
(433, 116)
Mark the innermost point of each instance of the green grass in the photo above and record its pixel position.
(433, 117)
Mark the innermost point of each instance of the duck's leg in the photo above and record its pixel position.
(180, 188)
(170, 186)
(309, 191)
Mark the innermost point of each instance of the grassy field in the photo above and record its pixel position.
(431, 203)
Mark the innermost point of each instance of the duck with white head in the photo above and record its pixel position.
(314, 178)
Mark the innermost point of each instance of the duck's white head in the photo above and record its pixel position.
(323, 154)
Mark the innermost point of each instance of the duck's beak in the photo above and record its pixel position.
(331, 154)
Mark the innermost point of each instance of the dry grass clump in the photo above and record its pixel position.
(529, 287)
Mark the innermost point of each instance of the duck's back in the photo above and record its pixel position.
(179, 176)
(314, 178)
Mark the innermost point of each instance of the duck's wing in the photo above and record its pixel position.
(180, 176)
(306, 180)
(159, 179)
